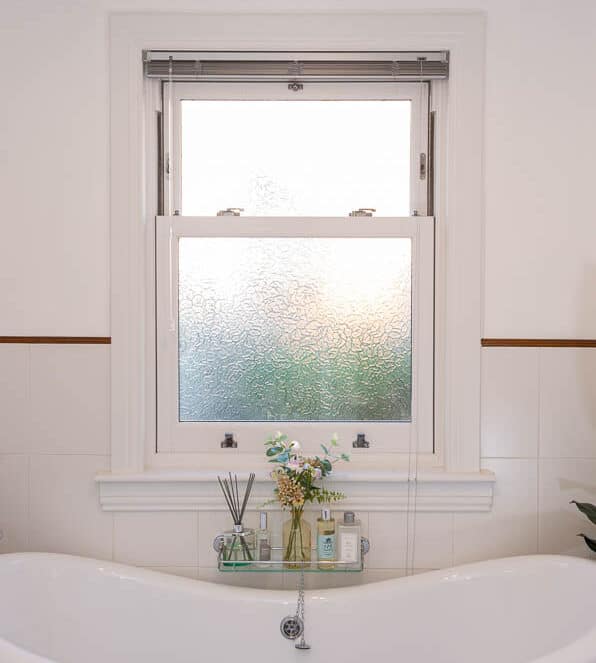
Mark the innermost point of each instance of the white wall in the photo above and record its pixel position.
(540, 105)
(538, 431)
(538, 436)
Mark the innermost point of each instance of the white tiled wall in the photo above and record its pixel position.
(538, 436)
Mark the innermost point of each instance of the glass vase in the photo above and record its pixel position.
(296, 540)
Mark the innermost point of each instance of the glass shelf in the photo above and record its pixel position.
(278, 565)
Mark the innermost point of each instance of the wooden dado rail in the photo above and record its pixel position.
(538, 343)
(85, 340)
(485, 342)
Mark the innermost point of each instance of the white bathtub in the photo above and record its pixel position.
(75, 610)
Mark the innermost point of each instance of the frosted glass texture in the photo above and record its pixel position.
(294, 329)
(295, 158)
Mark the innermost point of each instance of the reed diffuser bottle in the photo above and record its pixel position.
(239, 543)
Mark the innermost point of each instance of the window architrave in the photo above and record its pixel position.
(137, 474)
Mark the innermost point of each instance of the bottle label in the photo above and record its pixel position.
(326, 546)
(349, 548)
(264, 551)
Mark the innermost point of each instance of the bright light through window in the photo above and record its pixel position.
(303, 158)
(295, 329)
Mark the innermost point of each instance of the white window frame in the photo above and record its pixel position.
(416, 93)
(403, 437)
(451, 479)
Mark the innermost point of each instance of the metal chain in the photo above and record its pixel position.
(300, 604)
(300, 611)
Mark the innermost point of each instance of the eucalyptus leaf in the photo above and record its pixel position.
(591, 543)
(587, 509)
(325, 449)
(273, 451)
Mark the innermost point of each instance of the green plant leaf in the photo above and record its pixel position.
(587, 509)
(325, 449)
(273, 451)
(591, 543)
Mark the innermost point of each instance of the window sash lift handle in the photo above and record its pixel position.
(361, 442)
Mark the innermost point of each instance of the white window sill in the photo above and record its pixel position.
(185, 490)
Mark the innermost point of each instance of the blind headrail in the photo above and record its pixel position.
(285, 66)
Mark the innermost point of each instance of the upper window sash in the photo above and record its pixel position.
(174, 93)
(386, 436)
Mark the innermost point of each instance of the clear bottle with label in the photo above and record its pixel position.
(263, 540)
(326, 540)
(348, 542)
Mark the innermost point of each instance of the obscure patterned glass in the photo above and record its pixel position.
(296, 158)
(294, 329)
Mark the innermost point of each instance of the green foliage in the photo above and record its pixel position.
(591, 543)
(589, 510)
(297, 475)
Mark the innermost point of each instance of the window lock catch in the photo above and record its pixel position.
(363, 211)
(230, 211)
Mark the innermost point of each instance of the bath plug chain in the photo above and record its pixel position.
(292, 627)
(300, 611)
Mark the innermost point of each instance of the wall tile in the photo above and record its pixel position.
(65, 515)
(69, 398)
(14, 398)
(388, 536)
(240, 579)
(156, 538)
(509, 413)
(511, 528)
(568, 402)
(563, 480)
(14, 502)
(430, 540)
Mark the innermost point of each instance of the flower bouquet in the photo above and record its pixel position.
(298, 478)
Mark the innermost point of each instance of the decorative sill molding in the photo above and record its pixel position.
(182, 490)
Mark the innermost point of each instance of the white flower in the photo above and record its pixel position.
(294, 444)
(294, 464)
(318, 473)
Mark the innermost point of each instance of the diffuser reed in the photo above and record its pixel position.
(239, 542)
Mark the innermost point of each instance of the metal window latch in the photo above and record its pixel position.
(229, 442)
(361, 442)
(230, 211)
(363, 211)
(422, 170)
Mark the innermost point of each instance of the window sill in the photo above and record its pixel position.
(184, 490)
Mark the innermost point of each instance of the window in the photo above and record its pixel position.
(451, 481)
(295, 315)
